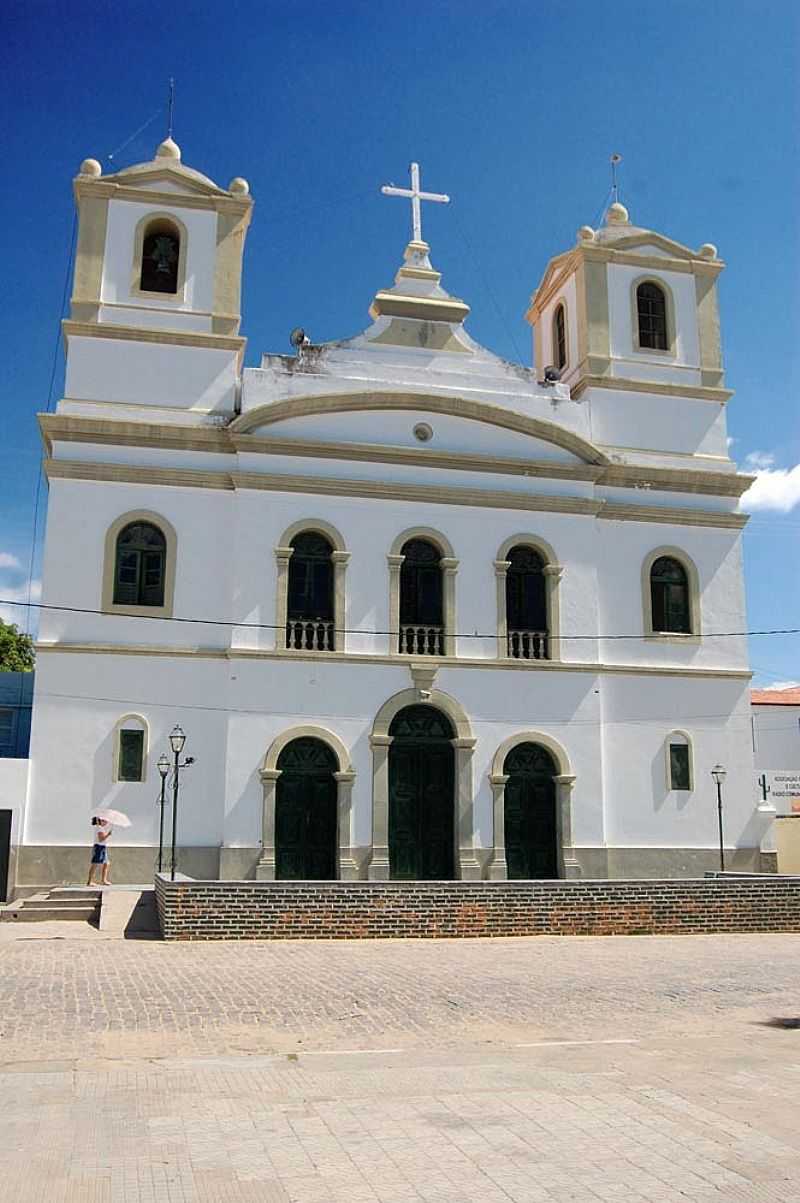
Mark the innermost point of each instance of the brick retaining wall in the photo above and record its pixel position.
(335, 910)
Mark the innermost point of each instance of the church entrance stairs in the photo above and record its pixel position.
(63, 902)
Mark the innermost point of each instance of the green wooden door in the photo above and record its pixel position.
(305, 812)
(530, 813)
(421, 796)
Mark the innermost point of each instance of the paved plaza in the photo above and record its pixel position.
(535, 1070)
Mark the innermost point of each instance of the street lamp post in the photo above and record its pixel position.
(719, 774)
(176, 740)
(163, 768)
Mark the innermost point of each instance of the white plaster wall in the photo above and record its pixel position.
(776, 735)
(150, 374)
(79, 515)
(119, 270)
(640, 809)
(717, 555)
(621, 312)
(79, 700)
(637, 420)
(13, 793)
(612, 730)
(391, 428)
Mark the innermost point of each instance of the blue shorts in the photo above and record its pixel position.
(99, 854)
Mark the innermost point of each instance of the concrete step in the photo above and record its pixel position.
(25, 913)
(75, 893)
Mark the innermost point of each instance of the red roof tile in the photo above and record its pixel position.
(776, 697)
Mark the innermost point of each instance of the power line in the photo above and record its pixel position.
(271, 626)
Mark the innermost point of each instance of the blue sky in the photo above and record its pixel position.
(511, 108)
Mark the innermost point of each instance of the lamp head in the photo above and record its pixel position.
(163, 765)
(719, 773)
(177, 739)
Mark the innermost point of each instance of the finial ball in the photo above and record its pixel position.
(91, 167)
(708, 251)
(239, 185)
(586, 234)
(168, 150)
(617, 215)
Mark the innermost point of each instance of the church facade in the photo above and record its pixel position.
(421, 613)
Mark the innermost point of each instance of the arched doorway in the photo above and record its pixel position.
(421, 796)
(305, 812)
(531, 836)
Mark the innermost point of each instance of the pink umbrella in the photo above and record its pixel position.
(115, 817)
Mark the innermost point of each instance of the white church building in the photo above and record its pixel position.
(421, 613)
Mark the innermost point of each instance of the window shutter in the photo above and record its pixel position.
(131, 755)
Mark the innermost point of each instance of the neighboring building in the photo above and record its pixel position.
(776, 728)
(16, 701)
(452, 611)
(776, 747)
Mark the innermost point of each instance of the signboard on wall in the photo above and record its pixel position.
(779, 788)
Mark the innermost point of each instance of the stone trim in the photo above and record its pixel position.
(339, 558)
(347, 866)
(596, 668)
(464, 745)
(695, 606)
(119, 726)
(696, 392)
(72, 428)
(553, 572)
(390, 491)
(448, 564)
(137, 334)
(107, 603)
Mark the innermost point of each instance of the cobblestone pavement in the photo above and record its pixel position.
(535, 1071)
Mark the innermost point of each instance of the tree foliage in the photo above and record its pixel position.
(16, 649)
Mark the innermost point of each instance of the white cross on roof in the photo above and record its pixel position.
(415, 195)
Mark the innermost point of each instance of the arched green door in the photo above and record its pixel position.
(530, 812)
(421, 796)
(305, 812)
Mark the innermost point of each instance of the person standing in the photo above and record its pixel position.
(101, 835)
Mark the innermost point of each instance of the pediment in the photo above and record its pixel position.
(649, 243)
(459, 426)
(173, 178)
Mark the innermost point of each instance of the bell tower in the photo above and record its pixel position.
(630, 310)
(156, 296)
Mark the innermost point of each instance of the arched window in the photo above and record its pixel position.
(161, 247)
(651, 309)
(526, 605)
(560, 338)
(421, 599)
(679, 762)
(130, 749)
(669, 597)
(140, 565)
(310, 606)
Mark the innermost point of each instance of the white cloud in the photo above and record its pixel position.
(778, 685)
(758, 460)
(9, 561)
(773, 488)
(18, 614)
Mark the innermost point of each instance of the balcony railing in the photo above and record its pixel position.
(527, 645)
(422, 640)
(309, 635)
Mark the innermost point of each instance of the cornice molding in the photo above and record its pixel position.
(695, 391)
(137, 334)
(402, 662)
(389, 491)
(69, 428)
